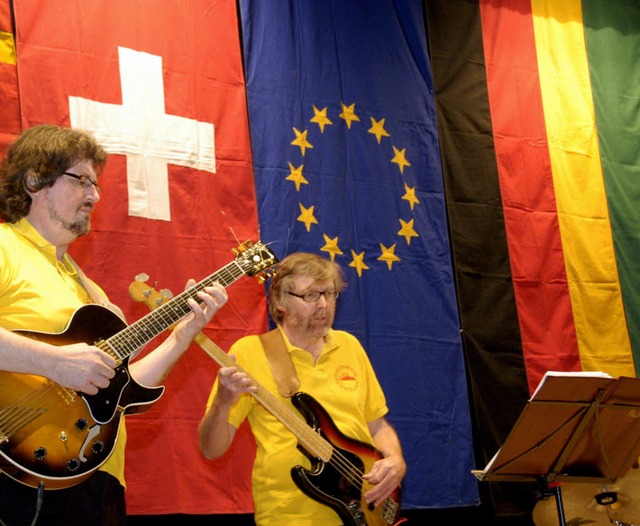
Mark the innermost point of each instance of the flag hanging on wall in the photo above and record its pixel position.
(347, 165)
(539, 126)
(9, 107)
(160, 85)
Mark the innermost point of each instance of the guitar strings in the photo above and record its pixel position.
(18, 414)
(135, 336)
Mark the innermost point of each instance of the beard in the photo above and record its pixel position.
(78, 228)
(316, 325)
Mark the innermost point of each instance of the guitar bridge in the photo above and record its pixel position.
(356, 513)
(389, 510)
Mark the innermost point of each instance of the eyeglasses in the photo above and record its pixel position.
(311, 296)
(85, 181)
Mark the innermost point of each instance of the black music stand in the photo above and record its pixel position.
(577, 427)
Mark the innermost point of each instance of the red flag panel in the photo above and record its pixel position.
(161, 87)
(533, 235)
(9, 106)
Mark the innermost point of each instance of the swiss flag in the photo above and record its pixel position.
(161, 86)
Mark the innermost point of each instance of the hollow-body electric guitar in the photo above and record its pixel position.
(338, 462)
(53, 435)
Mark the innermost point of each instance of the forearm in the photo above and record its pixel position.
(78, 366)
(387, 442)
(215, 434)
(20, 354)
(387, 473)
(152, 369)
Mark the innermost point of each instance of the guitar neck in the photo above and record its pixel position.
(139, 333)
(308, 438)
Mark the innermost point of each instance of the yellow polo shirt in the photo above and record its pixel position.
(342, 382)
(40, 293)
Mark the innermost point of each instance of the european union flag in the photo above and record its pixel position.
(347, 165)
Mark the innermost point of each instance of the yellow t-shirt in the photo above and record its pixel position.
(342, 382)
(40, 293)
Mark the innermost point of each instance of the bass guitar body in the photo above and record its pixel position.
(55, 435)
(338, 482)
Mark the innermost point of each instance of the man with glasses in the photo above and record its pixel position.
(48, 191)
(329, 365)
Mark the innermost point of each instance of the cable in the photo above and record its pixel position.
(39, 500)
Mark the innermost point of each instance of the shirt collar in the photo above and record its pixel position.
(24, 227)
(329, 341)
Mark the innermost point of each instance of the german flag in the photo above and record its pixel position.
(539, 125)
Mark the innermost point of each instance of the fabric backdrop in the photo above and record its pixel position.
(9, 107)
(478, 182)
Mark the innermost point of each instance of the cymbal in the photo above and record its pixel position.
(594, 504)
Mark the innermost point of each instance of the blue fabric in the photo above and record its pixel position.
(339, 184)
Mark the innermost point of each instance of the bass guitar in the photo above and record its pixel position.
(338, 462)
(56, 436)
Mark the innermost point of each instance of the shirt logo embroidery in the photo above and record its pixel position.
(346, 378)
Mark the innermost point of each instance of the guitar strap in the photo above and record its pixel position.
(282, 368)
(94, 293)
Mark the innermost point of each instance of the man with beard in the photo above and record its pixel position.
(48, 191)
(311, 357)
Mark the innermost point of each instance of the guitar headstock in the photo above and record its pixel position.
(256, 260)
(143, 293)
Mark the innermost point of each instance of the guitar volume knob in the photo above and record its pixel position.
(81, 424)
(73, 465)
(40, 454)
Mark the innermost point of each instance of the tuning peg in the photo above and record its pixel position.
(167, 293)
(142, 277)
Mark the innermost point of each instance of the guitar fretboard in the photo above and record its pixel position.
(135, 336)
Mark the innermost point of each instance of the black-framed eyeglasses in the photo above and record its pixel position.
(85, 181)
(311, 296)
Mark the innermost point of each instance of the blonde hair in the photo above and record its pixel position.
(301, 264)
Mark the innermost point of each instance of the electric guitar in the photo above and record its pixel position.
(338, 462)
(55, 435)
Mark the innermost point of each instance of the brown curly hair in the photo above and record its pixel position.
(300, 264)
(37, 159)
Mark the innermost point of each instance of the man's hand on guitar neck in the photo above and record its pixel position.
(152, 369)
(211, 300)
(215, 433)
(232, 383)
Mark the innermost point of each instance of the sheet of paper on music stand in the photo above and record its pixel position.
(577, 426)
